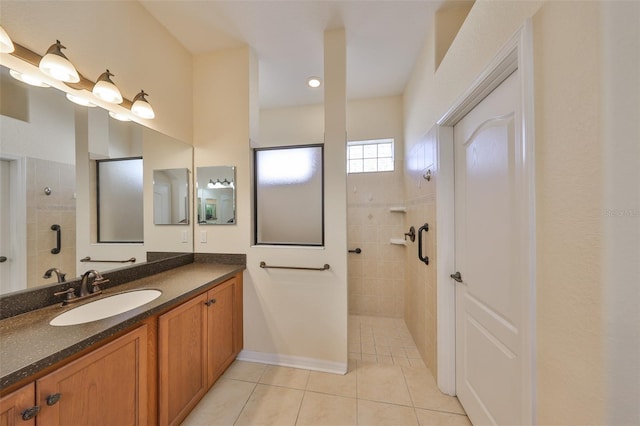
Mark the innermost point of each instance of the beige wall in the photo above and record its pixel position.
(121, 36)
(569, 90)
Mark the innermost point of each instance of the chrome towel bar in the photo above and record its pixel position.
(326, 266)
(89, 259)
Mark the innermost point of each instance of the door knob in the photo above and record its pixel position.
(3, 259)
(457, 276)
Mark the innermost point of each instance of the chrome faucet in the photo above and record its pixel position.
(94, 288)
(59, 274)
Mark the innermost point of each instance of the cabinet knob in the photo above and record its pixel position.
(30, 413)
(53, 399)
(210, 302)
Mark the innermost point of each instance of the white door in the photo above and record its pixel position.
(491, 340)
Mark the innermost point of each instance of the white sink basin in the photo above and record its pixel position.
(106, 307)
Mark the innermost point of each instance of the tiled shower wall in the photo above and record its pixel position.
(420, 288)
(45, 210)
(377, 275)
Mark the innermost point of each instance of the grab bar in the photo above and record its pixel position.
(58, 230)
(424, 258)
(89, 259)
(263, 265)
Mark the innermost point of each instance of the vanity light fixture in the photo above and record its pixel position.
(211, 185)
(80, 100)
(118, 116)
(141, 106)
(106, 90)
(6, 45)
(314, 82)
(28, 78)
(55, 64)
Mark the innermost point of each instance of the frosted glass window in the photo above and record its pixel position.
(120, 200)
(370, 156)
(289, 204)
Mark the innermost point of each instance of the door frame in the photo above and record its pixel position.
(517, 53)
(18, 213)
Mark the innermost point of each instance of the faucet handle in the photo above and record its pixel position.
(95, 285)
(69, 293)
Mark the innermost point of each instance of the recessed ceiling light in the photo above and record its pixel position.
(314, 82)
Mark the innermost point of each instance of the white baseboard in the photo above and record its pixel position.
(294, 361)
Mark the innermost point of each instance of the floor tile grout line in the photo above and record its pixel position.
(255, 385)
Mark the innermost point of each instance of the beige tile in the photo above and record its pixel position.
(243, 370)
(401, 361)
(436, 418)
(383, 350)
(380, 414)
(324, 410)
(384, 359)
(222, 404)
(425, 393)
(381, 382)
(335, 384)
(271, 405)
(369, 358)
(412, 352)
(368, 348)
(285, 376)
(418, 363)
(355, 355)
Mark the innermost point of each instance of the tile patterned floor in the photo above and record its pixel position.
(387, 384)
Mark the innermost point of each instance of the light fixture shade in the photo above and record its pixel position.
(106, 90)
(6, 45)
(28, 78)
(80, 100)
(56, 65)
(141, 106)
(118, 116)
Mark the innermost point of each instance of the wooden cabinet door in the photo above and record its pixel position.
(182, 359)
(220, 328)
(13, 405)
(105, 387)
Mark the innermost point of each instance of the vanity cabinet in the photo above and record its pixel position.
(106, 386)
(182, 359)
(197, 341)
(13, 406)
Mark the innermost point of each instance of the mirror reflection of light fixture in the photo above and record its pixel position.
(6, 45)
(106, 90)
(226, 183)
(55, 64)
(28, 78)
(118, 116)
(141, 106)
(80, 100)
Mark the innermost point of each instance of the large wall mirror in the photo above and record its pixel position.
(216, 197)
(49, 148)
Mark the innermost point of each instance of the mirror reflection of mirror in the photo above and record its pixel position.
(216, 197)
(171, 197)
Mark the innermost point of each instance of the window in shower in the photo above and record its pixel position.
(370, 156)
(288, 197)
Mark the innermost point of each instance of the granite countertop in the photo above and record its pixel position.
(28, 344)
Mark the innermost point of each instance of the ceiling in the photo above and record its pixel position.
(383, 40)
